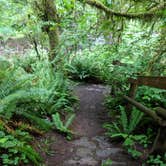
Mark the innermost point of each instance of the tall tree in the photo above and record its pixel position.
(46, 11)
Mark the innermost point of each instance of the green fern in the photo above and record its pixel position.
(41, 123)
(31, 154)
(59, 124)
(135, 118)
(123, 119)
(124, 125)
(30, 97)
(69, 120)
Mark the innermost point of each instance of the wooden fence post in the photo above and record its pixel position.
(132, 94)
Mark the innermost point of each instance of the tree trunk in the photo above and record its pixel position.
(46, 11)
(53, 42)
(53, 31)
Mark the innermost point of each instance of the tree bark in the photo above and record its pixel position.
(161, 112)
(53, 30)
(46, 11)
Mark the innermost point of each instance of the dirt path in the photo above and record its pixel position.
(92, 148)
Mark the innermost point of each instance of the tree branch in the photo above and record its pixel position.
(154, 12)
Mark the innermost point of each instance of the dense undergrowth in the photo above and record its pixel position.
(99, 65)
(136, 131)
(36, 98)
(33, 99)
(89, 45)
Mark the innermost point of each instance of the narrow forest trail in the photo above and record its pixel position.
(91, 148)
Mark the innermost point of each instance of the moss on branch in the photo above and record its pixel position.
(157, 11)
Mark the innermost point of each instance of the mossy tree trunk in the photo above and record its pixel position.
(46, 11)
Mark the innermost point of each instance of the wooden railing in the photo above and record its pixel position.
(159, 115)
(156, 82)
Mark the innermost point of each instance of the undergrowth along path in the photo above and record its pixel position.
(91, 147)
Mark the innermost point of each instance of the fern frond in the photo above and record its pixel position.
(69, 120)
(41, 123)
(26, 127)
(59, 124)
(124, 119)
(135, 118)
(31, 154)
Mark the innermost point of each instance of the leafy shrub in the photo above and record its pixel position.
(124, 127)
(108, 162)
(27, 102)
(152, 97)
(97, 64)
(15, 151)
(63, 127)
(131, 141)
(84, 68)
(123, 123)
(157, 160)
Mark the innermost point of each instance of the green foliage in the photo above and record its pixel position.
(108, 162)
(124, 127)
(123, 124)
(15, 151)
(84, 67)
(130, 144)
(96, 64)
(63, 127)
(13, 18)
(151, 97)
(35, 95)
(130, 141)
(30, 98)
(157, 160)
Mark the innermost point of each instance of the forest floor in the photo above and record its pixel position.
(91, 147)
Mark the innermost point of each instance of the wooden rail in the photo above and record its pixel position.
(156, 82)
(158, 114)
(154, 115)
